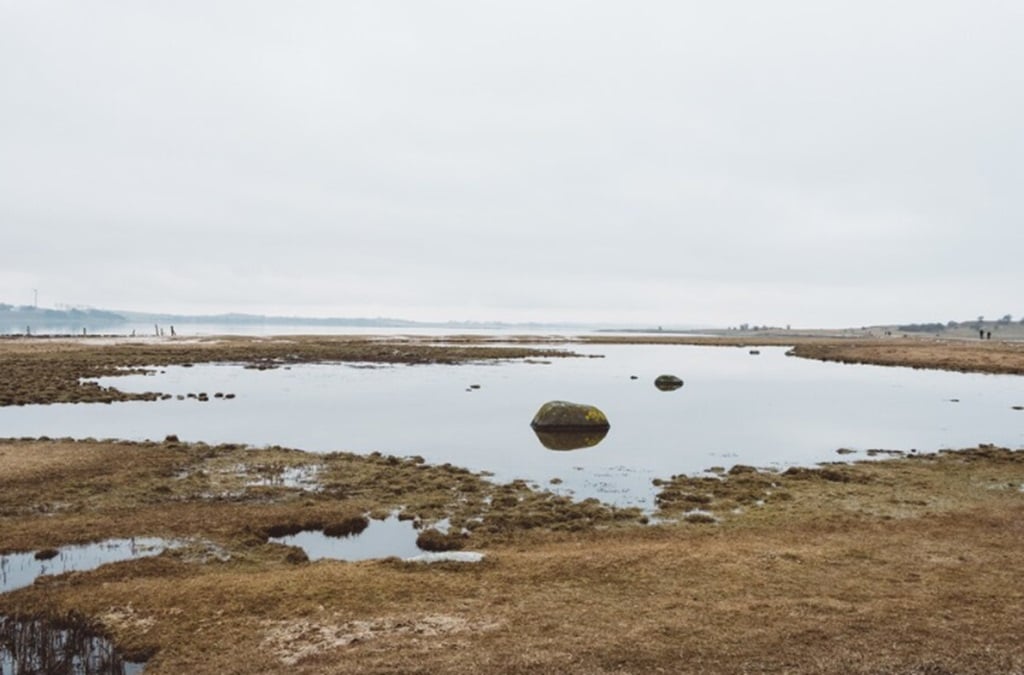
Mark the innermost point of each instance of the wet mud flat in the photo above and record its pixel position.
(909, 564)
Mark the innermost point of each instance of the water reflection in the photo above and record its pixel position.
(381, 539)
(18, 570)
(36, 646)
(570, 440)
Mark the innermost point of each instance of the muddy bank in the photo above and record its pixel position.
(909, 564)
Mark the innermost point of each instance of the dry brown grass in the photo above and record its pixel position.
(964, 356)
(904, 565)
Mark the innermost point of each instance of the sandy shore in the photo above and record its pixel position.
(907, 565)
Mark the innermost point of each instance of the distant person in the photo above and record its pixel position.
(981, 334)
(988, 335)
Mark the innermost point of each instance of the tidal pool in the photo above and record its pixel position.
(735, 408)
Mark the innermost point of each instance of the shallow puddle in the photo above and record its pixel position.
(386, 538)
(34, 646)
(18, 570)
(382, 539)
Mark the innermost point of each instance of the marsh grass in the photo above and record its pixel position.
(903, 565)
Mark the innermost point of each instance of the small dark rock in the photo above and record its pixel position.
(47, 554)
(668, 382)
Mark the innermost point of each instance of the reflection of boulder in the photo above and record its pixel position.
(570, 440)
(668, 382)
(566, 416)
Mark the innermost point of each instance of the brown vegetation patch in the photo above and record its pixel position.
(55, 492)
(916, 485)
(900, 565)
(964, 356)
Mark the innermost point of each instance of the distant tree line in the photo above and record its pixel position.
(25, 318)
(936, 327)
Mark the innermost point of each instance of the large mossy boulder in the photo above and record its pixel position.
(566, 416)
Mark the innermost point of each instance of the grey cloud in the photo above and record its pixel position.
(813, 162)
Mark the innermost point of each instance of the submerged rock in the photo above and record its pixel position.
(668, 382)
(566, 416)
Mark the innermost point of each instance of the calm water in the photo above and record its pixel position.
(765, 410)
(18, 570)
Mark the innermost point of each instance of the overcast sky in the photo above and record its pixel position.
(809, 163)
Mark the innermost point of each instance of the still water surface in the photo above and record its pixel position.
(765, 410)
